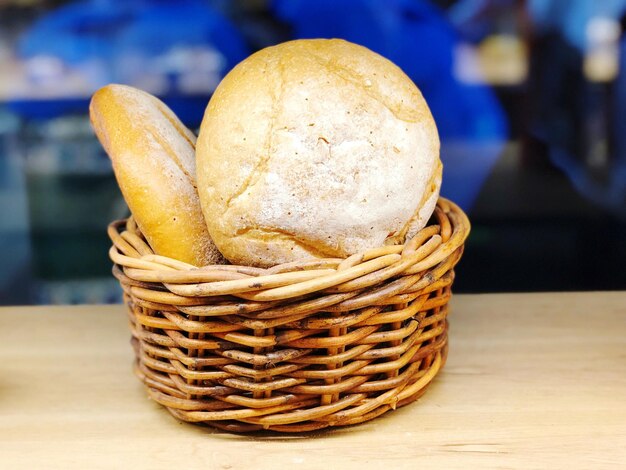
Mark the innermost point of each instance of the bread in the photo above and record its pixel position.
(315, 148)
(423, 212)
(153, 157)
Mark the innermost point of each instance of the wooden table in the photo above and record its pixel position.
(532, 381)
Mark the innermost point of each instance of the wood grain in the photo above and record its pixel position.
(532, 381)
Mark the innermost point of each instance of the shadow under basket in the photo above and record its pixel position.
(296, 347)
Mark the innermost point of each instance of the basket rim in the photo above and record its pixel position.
(439, 243)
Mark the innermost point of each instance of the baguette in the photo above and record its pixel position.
(153, 156)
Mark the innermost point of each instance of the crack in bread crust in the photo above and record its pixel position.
(261, 233)
(183, 131)
(261, 166)
(172, 154)
(356, 79)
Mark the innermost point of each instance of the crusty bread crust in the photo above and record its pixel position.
(314, 148)
(153, 156)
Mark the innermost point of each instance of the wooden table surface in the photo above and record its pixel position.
(532, 381)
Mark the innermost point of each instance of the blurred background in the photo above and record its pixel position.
(529, 97)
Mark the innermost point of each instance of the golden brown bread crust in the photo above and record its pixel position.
(153, 156)
(313, 148)
(424, 210)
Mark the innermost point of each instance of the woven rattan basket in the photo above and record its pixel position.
(297, 347)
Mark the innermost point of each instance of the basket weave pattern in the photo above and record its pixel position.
(297, 347)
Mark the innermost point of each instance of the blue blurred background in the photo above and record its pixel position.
(528, 95)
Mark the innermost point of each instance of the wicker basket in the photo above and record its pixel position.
(297, 347)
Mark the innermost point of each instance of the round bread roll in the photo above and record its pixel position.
(153, 157)
(315, 148)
